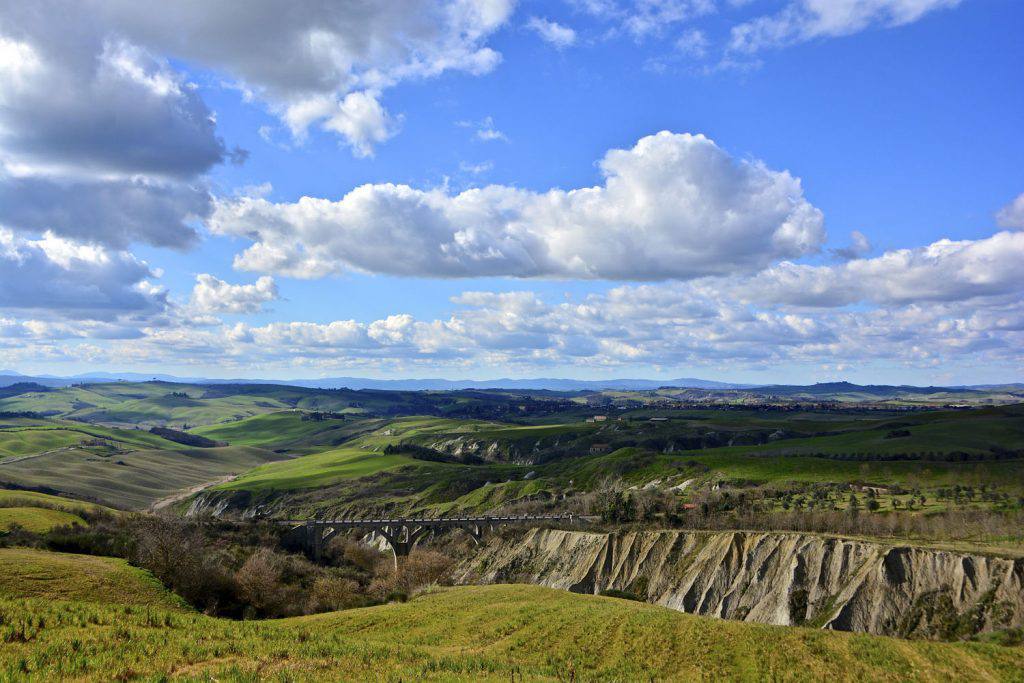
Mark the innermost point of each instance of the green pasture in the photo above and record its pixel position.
(47, 435)
(286, 429)
(319, 470)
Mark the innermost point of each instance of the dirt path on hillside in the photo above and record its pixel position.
(20, 458)
(182, 495)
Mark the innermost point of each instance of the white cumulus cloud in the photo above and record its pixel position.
(213, 295)
(62, 278)
(99, 139)
(694, 324)
(672, 206)
(945, 270)
(308, 61)
(103, 137)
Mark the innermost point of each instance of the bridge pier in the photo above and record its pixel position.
(402, 539)
(476, 532)
(314, 540)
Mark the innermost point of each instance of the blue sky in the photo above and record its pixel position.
(898, 119)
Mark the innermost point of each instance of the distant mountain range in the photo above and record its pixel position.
(10, 377)
(539, 383)
(833, 388)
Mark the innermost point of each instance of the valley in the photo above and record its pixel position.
(773, 525)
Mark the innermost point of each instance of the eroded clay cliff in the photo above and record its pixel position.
(774, 578)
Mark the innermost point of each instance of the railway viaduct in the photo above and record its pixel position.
(403, 533)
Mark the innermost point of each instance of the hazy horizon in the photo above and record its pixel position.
(495, 381)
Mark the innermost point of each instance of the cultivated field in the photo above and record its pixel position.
(132, 479)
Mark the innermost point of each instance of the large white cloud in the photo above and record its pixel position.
(306, 60)
(75, 100)
(99, 139)
(803, 20)
(947, 305)
(672, 206)
(114, 212)
(66, 279)
(103, 138)
(39, 331)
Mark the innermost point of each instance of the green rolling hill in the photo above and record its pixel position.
(796, 449)
(159, 403)
(38, 574)
(488, 633)
(291, 430)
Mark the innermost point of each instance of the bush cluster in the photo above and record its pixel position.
(244, 571)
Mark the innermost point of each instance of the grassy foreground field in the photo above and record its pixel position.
(498, 633)
(26, 573)
(35, 519)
